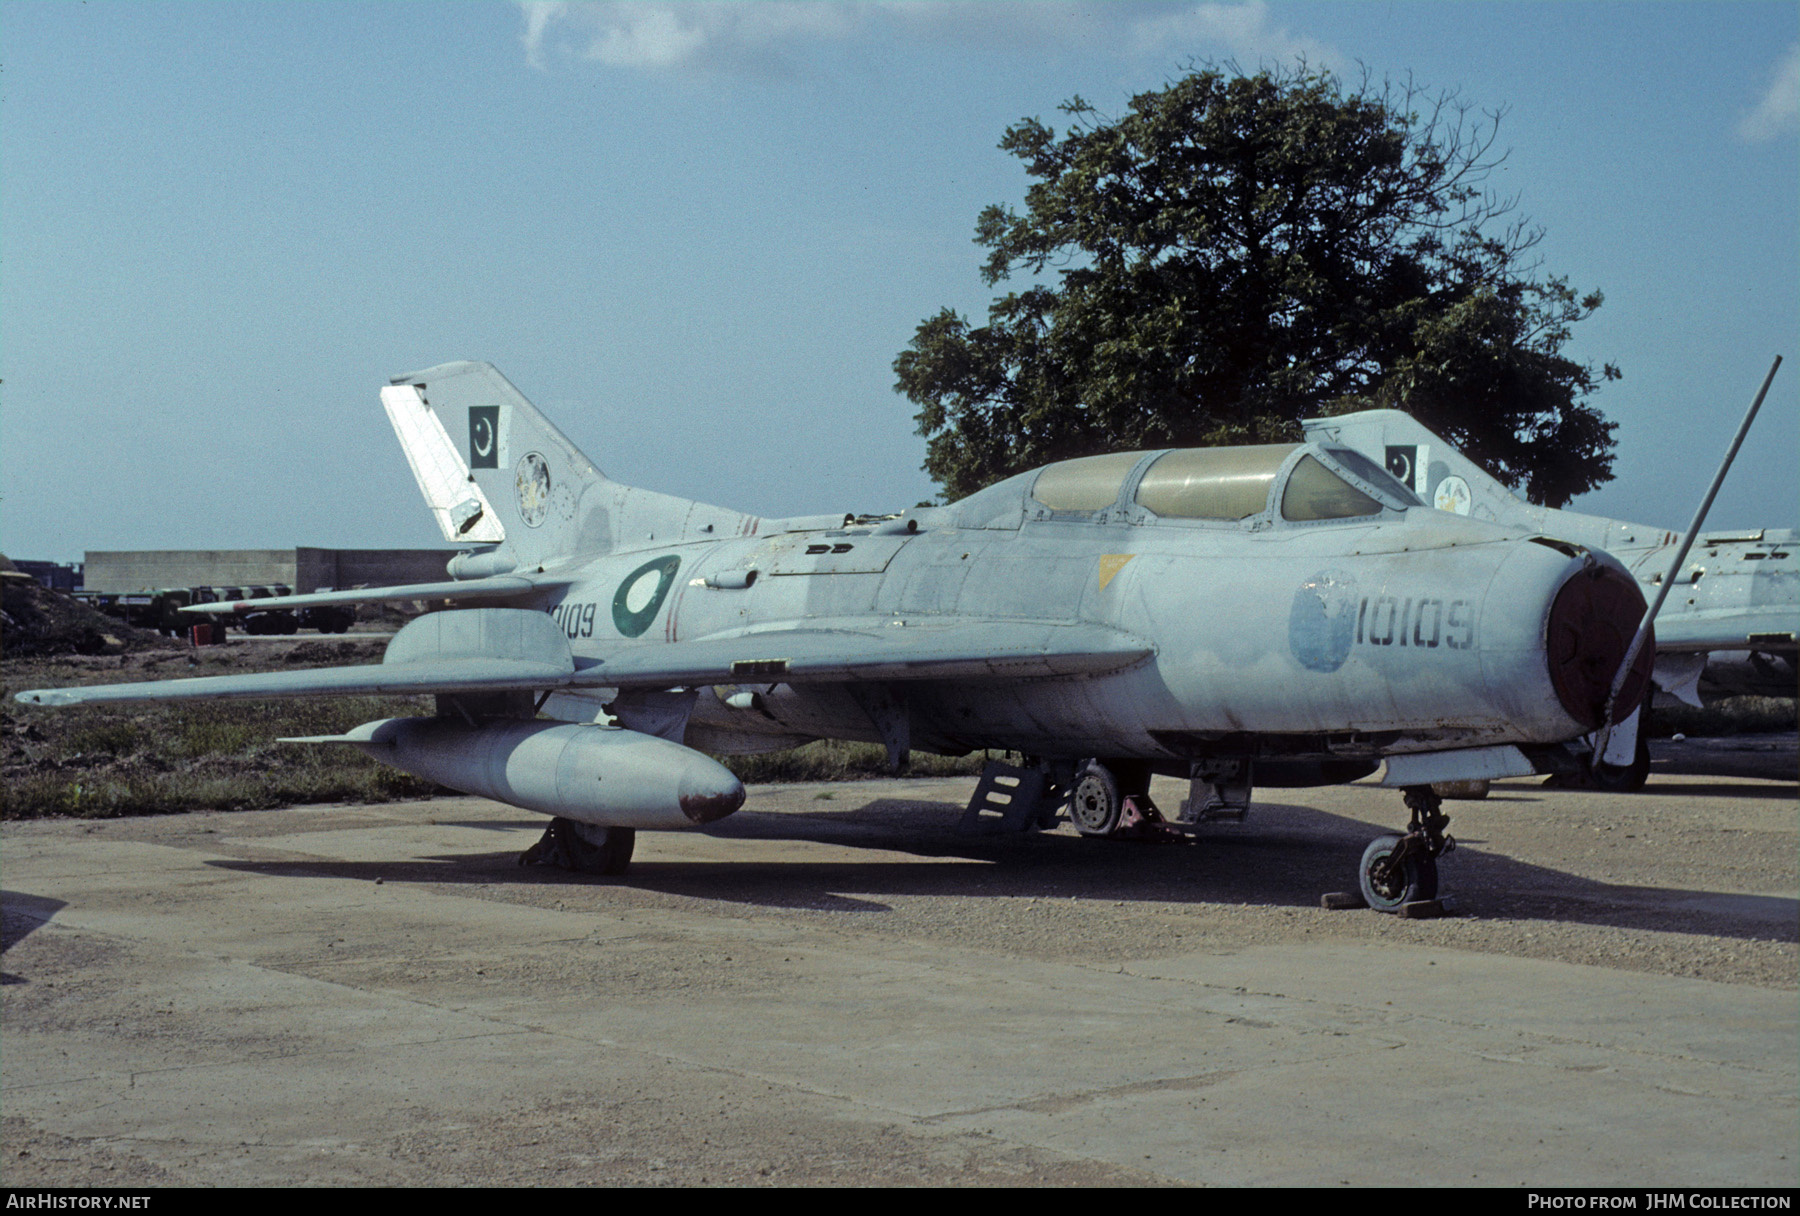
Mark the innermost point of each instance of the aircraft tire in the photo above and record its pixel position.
(1095, 802)
(1416, 878)
(582, 847)
(598, 850)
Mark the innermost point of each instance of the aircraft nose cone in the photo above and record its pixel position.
(709, 794)
(1591, 624)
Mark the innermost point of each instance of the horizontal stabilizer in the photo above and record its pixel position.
(478, 650)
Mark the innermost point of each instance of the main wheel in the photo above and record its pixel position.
(1385, 885)
(1095, 803)
(598, 850)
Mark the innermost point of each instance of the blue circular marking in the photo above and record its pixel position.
(1322, 622)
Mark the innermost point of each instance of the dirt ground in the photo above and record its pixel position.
(836, 987)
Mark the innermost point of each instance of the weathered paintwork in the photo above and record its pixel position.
(605, 776)
(1730, 623)
(1387, 629)
(1070, 624)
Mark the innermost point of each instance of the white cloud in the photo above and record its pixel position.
(708, 34)
(538, 16)
(1779, 110)
(1243, 31)
(683, 33)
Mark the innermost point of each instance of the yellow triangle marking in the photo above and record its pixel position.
(1111, 564)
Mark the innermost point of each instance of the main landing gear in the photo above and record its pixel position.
(1114, 800)
(1096, 801)
(582, 847)
(1111, 798)
(1401, 870)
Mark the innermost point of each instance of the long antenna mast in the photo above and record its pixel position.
(1687, 543)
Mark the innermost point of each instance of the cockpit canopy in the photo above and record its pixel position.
(1224, 484)
(1299, 483)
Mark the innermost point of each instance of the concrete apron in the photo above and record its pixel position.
(264, 1012)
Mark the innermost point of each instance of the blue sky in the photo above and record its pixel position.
(697, 235)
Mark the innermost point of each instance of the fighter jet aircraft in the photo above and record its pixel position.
(1731, 623)
(1285, 615)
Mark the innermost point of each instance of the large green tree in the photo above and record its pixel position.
(1239, 252)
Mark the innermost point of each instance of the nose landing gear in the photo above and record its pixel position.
(1399, 871)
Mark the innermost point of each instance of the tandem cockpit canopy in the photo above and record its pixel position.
(1295, 482)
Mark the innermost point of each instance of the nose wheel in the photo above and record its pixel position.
(1401, 870)
(1393, 875)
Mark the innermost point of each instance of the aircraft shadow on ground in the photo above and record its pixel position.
(1284, 856)
(1758, 757)
(1696, 786)
(21, 915)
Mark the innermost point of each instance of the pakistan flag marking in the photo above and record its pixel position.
(484, 436)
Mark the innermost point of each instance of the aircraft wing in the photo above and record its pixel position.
(505, 586)
(825, 651)
(1744, 629)
(373, 679)
(505, 649)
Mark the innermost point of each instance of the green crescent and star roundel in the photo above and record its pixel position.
(641, 594)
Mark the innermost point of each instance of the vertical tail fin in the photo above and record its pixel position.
(1429, 465)
(495, 471)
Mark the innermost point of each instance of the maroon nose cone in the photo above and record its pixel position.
(709, 797)
(1592, 622)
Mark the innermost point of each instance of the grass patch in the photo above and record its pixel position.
(110, 738)
(108, 797)
(213, 738)
(841, 760)
(103, 761)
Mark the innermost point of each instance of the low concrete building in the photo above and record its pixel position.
(343, 568)
(53, 575)
(304, 569)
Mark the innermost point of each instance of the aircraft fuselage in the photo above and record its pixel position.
(1342, 638)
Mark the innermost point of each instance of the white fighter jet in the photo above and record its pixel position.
(1279, 615)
